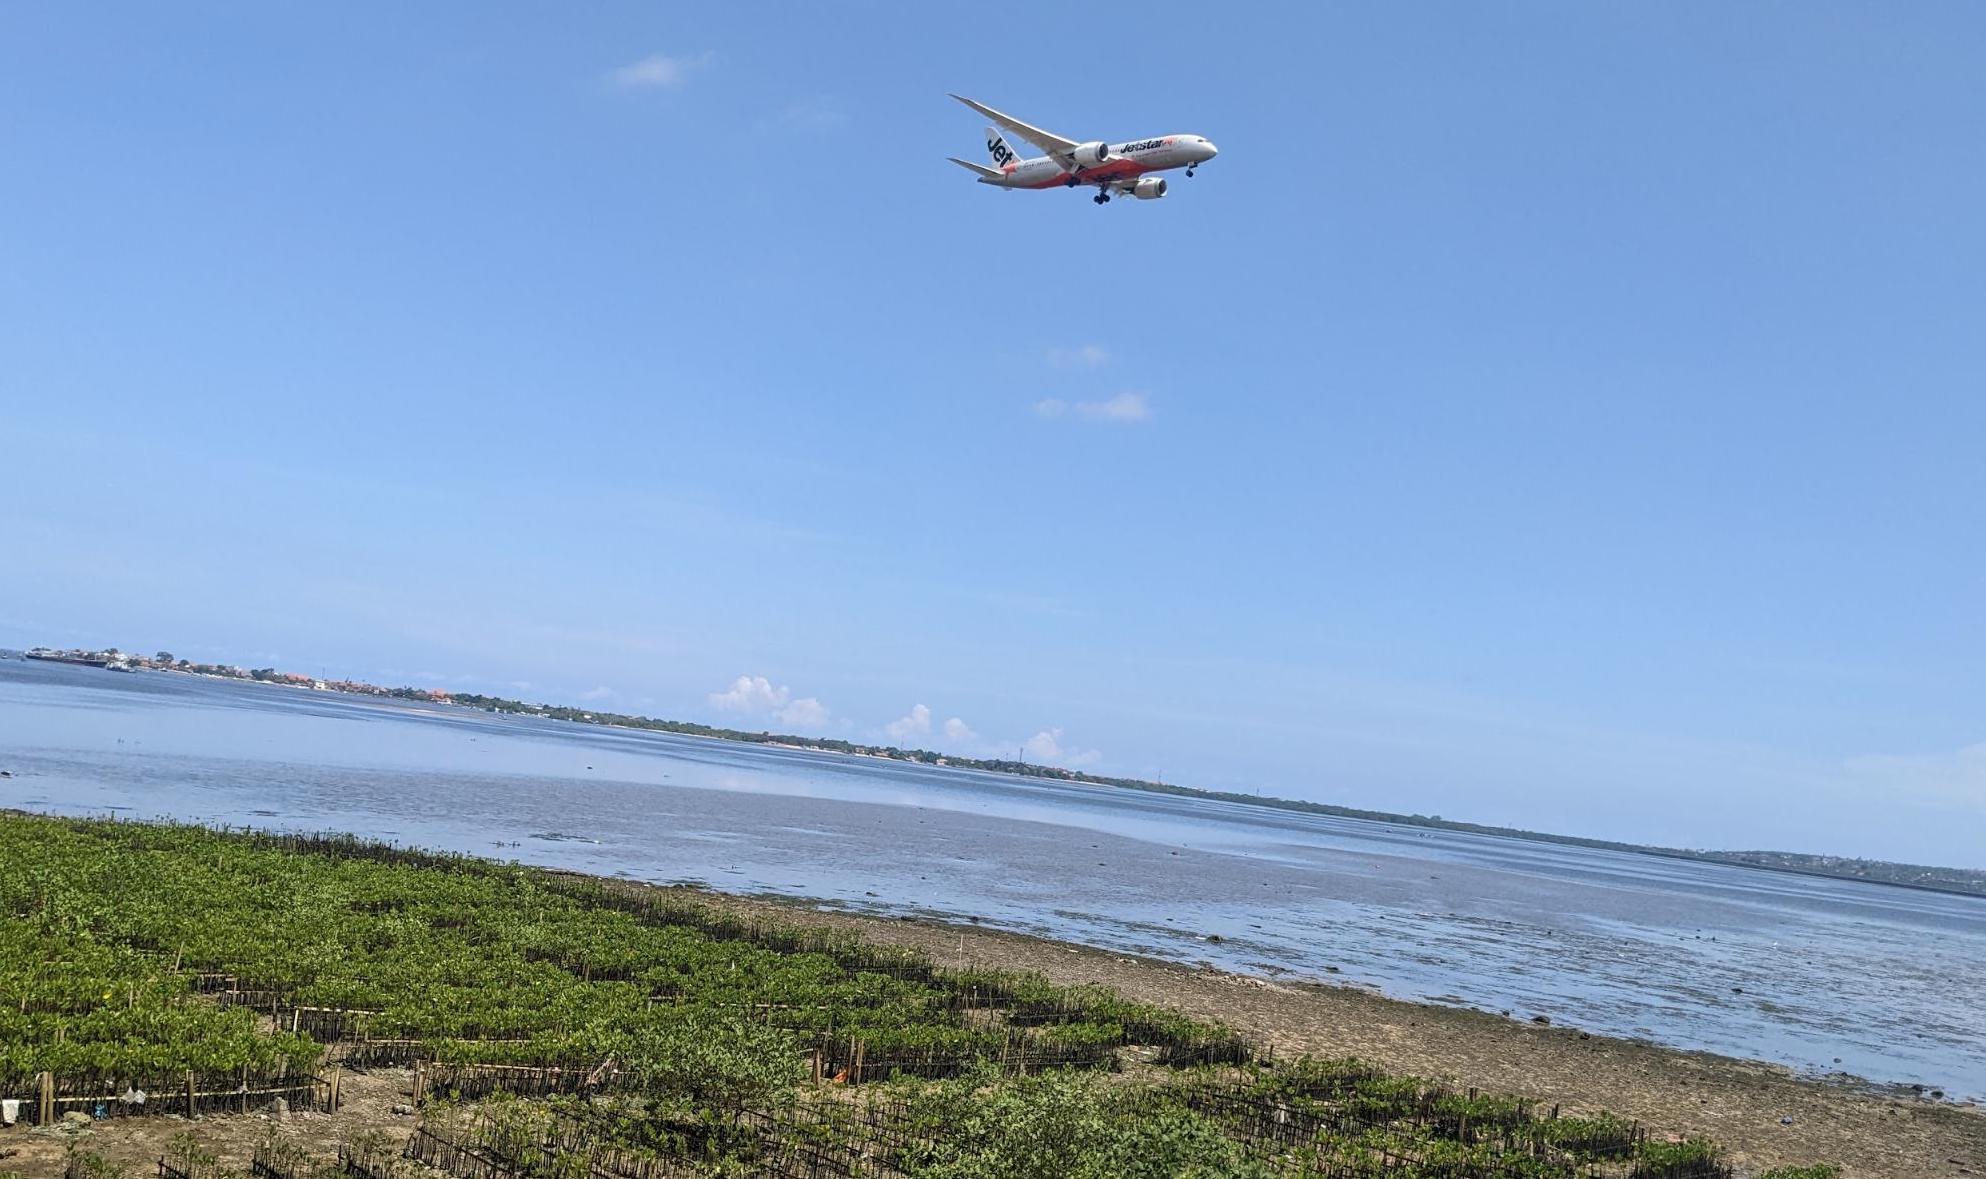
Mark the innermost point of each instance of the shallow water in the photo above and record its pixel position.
(1885, 983)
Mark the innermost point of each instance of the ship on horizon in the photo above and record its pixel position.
(81, 658)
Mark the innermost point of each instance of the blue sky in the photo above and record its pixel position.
(1559, 414)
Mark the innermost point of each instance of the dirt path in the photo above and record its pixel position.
(366, 1102)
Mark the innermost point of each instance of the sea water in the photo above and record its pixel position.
(1881, 982)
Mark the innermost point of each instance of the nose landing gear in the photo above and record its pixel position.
(1190, 167)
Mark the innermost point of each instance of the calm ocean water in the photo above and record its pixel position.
(1885, 983)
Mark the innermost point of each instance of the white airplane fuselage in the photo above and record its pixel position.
(1122, 169)
(1123, 164)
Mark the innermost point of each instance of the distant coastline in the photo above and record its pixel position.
(1961, 881)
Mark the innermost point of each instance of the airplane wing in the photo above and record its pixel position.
(1053, 144)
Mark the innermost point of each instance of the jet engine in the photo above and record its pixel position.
(1089, 155)
(1149, 188)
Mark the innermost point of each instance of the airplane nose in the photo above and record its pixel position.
(1207, 145)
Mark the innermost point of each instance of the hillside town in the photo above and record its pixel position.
(113, 659)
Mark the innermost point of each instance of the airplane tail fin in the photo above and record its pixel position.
(996, 146)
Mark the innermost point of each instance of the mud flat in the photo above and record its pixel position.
(1867, 1130)
(1763, 1115)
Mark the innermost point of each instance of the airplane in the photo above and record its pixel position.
(1121, 168)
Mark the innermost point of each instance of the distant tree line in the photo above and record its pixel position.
(1960, 880)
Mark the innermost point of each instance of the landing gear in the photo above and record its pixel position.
(1071, 182)
(1189, 169)
(1102, 198)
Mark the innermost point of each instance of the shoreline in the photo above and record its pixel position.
(1278, 976)
(1760, 1115)
(872, 920)
(937, 761)
(1871, 1129)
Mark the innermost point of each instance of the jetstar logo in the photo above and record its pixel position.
(1146, 145)
(997, 147)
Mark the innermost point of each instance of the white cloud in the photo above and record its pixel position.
(1080, 356)
(1046, 748)
(751, 693)
(805, 713)
(659, 71)
(1123, 408)
(599, 693)
(918, 728)
(755, 695)
(914, 725)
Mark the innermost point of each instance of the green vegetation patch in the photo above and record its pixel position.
(145, 951)
(571, 1026)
